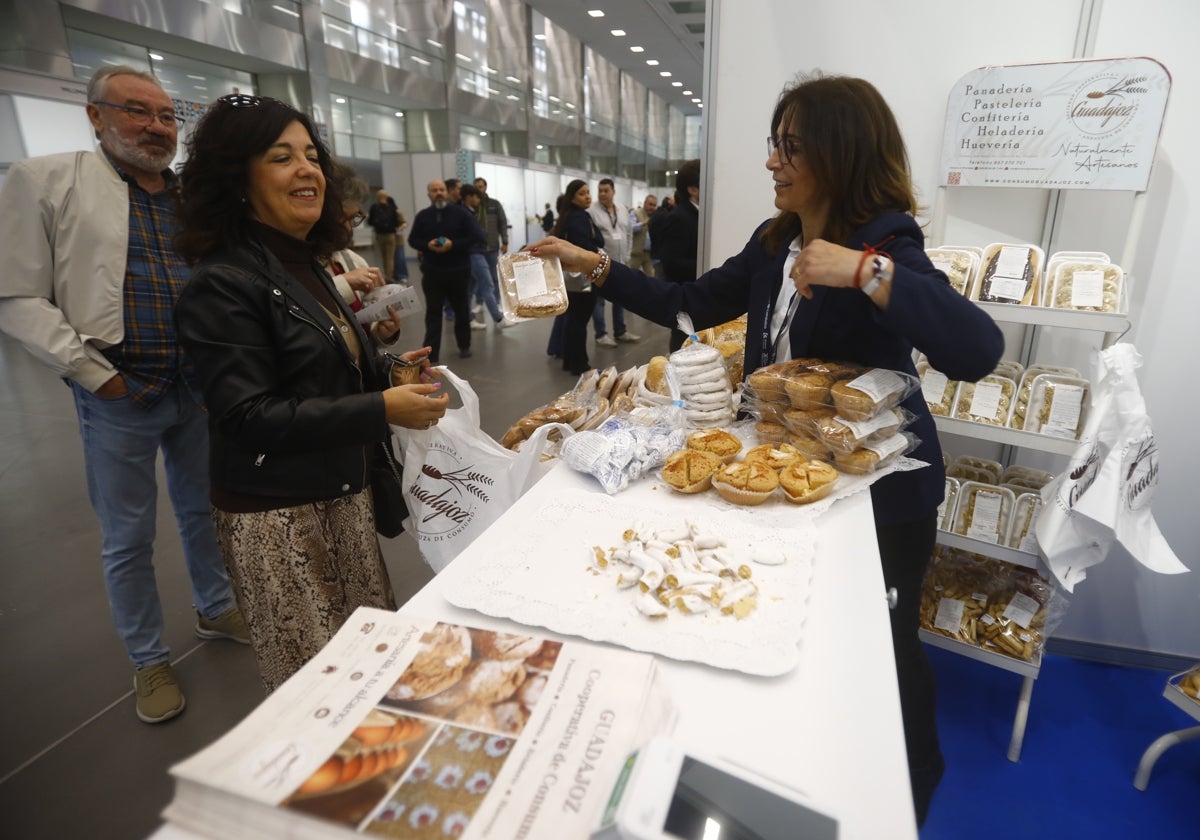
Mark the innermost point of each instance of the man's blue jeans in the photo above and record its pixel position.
(481, 287)
(120, 447)
(598, 325)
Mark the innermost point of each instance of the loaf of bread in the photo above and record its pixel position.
(531, 287)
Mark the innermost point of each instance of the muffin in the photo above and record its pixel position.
(810, 446)
(690, 470)
(746, 482)
(771, 432)
(775, 455)
(809, 389)
(719, 442)
(805, 420)
(806, 482)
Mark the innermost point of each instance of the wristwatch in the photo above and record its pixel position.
(880, 266)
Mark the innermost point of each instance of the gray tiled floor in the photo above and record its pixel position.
(74, 759)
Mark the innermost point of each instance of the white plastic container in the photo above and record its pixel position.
(990, 400)
(983, 512)
(959, 264)
(1057, 405)
(1010, 273)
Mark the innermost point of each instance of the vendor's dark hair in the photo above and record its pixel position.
(852, 144)
(566, 203)
(213, 210)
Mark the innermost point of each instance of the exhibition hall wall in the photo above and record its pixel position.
(915, 57)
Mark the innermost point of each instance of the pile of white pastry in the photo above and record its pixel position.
(704, 386)
(686, 568)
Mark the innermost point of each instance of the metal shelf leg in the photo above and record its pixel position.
(1018, 732)
(1142, 778)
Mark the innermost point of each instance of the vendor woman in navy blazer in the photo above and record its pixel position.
(846, 245)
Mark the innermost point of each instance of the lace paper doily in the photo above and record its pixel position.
(545, 577)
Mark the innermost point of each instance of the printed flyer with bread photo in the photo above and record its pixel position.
(407, 727)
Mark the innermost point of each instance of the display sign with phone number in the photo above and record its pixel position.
(1066, 125)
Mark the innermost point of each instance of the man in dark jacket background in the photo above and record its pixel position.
(675, 234)
(444, 233)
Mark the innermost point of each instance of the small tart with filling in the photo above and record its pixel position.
(690, 470)
(775, 455)
(725, 445)
(746, 482)
(807, 482)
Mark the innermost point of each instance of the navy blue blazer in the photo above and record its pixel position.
(924, 312)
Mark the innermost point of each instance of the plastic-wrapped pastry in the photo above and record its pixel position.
(1025, 513)
(1057, 406)
(946, 508)
(990, 468)
(876, 390)
(1010, 274)
(1026, 387)
(983, 512)
(842, 435)
(875, 455)
(531, 287)
(938, 390)
(1089, 286)
(958, 264)
(987, 401)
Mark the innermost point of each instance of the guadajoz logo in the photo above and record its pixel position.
(448, 492)
(1139, 471)
(1104, 104)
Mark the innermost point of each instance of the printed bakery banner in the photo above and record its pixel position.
(1089, 125)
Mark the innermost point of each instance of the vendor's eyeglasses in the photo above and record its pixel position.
(143, 117)
(788, 146)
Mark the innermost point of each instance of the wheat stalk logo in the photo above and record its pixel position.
(463, 479)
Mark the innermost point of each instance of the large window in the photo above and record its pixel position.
(363, 130)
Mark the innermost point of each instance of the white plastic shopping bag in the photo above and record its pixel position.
(458, 480)
(1104, 494)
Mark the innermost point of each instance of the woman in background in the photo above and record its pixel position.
(847, 253)
(575, 225)
(299, 402)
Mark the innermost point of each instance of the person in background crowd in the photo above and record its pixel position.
(847, 252)
(299, 401)
(547, 219)
(400, 262)
(384, 218)
(482, 294)
(454, 190)
(612, 220)
(91, 279)
(445, 233)
(351, 275)
(575, 225)
(675, 234)
(495, 224)
(641, 244)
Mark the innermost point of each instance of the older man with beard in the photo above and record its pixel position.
(89, 288)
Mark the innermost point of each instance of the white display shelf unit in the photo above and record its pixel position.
(1027, 670)
(1004, 435)
(1044, 316)
(1012, 556)
(1189, 705)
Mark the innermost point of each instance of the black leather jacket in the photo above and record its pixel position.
(289, 413)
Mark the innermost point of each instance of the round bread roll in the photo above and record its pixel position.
(444, 653)
(746, 483)
(485, 681)
(858, 462)
(656, 375)
(690, 470)
(804, 483)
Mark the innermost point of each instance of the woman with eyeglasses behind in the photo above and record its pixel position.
(299, 400)
(352, 276)
(847, 253)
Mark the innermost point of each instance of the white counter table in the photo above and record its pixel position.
(830, 728)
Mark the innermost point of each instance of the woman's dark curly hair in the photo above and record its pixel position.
(212, 207)
(566, 203)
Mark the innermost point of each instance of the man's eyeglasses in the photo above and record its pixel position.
(787, 146)
(140, 116)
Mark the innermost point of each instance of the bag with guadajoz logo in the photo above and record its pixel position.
(1103, 496)
(458, 480)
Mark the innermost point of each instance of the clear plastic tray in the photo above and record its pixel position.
(873, 456)
(938, 390)
(959, 264)
(1034, 478)
(983, 511)
(1018, 416)
(1088, 286)
(1009, 273)
(1025, 513)
(990, 400)
(1057, 405)
(991, 468)
(946, 508)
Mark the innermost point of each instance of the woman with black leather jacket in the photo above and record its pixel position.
(299, 401)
